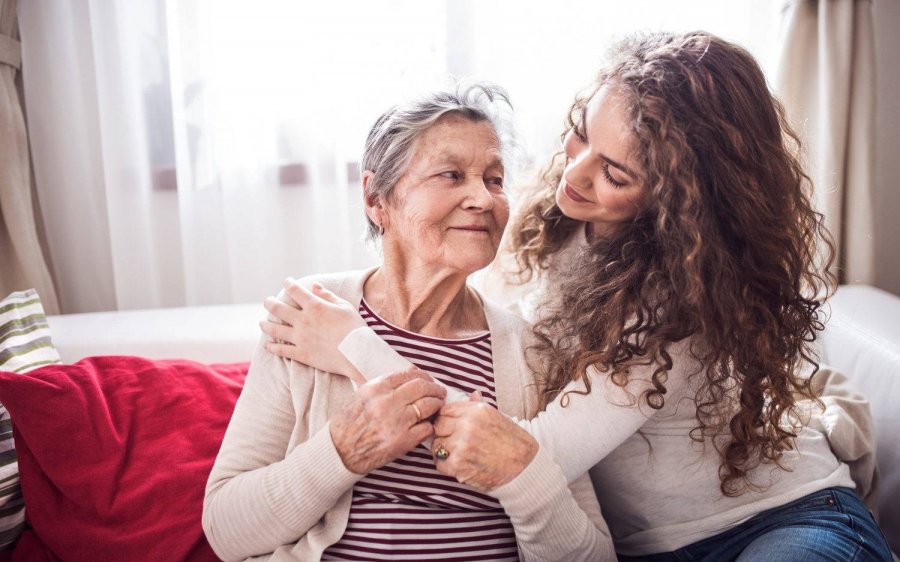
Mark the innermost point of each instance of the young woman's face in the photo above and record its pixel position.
(599, 185)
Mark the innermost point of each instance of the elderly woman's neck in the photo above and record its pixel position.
(431, 303)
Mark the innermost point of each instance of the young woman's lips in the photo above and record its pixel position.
(573, 195)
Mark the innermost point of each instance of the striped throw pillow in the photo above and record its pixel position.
(24, 345)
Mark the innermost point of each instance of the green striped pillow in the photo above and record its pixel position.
(24, 345)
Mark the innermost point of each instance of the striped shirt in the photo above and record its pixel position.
(407, 510)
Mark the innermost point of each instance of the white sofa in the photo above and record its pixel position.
(209, 334)
(862, 339)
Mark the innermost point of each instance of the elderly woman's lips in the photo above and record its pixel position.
(472, 228)
(574, 195)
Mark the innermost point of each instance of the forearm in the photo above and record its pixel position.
(576, 436)
(848, 425)
(589, 427)
(371, 355)
(258, 497)
(549, 522)
(255, 512)
(374, 358)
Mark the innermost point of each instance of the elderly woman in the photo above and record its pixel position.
(310, 469)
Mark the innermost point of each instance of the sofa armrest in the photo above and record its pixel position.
(862, 339)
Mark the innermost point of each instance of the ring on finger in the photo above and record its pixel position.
(418, 412)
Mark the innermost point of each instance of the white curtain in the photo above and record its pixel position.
(21, 253)
(198, 151)
(826, 78)
(182, 164)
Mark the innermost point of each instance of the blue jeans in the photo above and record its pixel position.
(829, 525)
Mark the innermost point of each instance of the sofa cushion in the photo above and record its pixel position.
(25, 345)
(114, 453)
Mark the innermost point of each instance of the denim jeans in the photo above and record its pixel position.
(829, 525)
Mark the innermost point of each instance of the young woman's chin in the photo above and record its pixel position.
(570, 208)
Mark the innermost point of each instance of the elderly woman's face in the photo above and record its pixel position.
(449, 209)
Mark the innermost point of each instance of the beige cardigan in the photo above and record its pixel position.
(279, 490)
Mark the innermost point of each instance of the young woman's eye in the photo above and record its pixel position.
(615, 183)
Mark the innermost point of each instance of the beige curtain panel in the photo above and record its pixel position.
(21, 256)
(826, 79)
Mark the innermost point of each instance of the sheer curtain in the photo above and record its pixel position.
(215, 143)
(198, 151)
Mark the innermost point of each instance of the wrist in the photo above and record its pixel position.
(524, 461)
(371, 355)
(352, 373)
(342, 448)
(531, 480)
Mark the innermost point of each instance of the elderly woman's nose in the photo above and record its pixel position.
(478, 194)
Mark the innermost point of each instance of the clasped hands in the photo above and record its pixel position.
(393, 414)
(389, 416)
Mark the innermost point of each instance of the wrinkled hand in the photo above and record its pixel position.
(312, 325)
(383, 420)
(487, 449)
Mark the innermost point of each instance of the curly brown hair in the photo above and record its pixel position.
(726, 250)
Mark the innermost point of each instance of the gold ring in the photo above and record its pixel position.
(418, 413)
(441, 453)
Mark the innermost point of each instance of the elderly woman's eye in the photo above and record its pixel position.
(451, 174)
(495, 180)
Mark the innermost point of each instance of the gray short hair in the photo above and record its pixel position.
(390, 142)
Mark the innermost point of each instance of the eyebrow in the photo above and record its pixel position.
(605, 158)
(454, 158)
(615, 164)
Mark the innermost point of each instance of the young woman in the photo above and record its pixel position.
(675, 251)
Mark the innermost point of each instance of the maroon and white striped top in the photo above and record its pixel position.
(407, 510)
